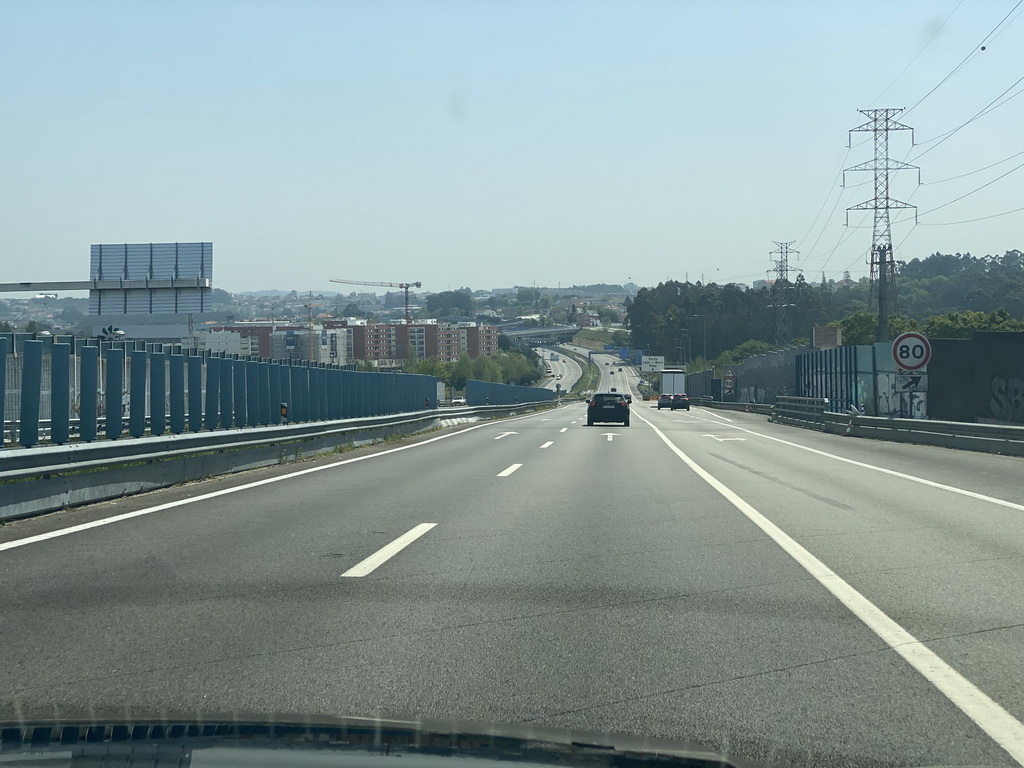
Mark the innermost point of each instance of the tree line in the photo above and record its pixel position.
(506, 366)
(943, 295)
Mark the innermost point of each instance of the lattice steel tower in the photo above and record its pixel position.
(783, 331)
(880, 122)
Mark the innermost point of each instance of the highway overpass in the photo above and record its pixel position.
(779, 594)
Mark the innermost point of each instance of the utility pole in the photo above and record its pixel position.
(880, 122)
(309, 306)
(704, 333)
(782, 327)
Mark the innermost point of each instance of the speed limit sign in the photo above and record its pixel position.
(911, 351)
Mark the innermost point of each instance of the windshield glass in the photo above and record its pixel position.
(306, 307)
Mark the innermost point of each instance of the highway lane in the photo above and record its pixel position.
(565, 366)
(601, 583)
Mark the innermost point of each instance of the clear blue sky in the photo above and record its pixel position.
(494, 142)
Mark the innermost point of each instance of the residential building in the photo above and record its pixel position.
(388, 344)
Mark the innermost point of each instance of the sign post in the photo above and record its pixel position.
(911, 351)
(729, 384)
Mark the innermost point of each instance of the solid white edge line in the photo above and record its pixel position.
(246, 486)
(1000, 725)
(884, 470)
(385, 553)
(508, 471)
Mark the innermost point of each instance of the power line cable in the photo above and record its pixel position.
(829, 185)
(822, 231)
(990, 107)
(971, 173)
(968, 221)
(927, 43)
(974, 51)
(977, 189)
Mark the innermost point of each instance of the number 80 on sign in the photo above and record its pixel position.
(911, 351)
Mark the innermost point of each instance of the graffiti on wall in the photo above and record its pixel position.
(898, 404)
(1007, 398)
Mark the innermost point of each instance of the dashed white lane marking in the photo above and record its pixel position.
(238, 488)
(385, 553)
(509, 471)
(548, 443)
(717, 416)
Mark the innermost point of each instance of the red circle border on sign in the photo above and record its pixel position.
(918, 337)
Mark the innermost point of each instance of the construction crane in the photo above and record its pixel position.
(404, 286)
(309, 306)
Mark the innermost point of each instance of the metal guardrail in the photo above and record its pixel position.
(707, 402)
(800, 411)
(813, 413)
(46, 478)
(986, 438)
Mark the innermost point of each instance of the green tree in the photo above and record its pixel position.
(862, 327)
(462, 370)
(432, 366)
(450, 304)
(620, 338)
(745, 350)
(962, 325)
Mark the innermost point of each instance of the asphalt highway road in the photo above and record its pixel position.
(766, 591)
(566, 366)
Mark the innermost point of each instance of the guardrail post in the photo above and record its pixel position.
(177, 399)
(252, 390)
(157, 393)
(31, 391)
(89, 385)
(240, 391)
(113, 402)
(137, 394)
(60, 393)
(213, 388)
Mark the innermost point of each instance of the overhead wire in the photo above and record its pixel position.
(976, 170)
(999, 101)
(969, 221)
(974, 51)
(827, 188)
(918, 54)
(990, 107)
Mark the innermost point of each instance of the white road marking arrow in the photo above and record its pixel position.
(610, 435)
(505, 434)
(724, 439)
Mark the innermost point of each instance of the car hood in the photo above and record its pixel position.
(314, 742)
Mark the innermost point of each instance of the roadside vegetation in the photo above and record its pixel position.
(943, 296)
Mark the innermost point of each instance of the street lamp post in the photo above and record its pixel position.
(704, 332)
(684, 359)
